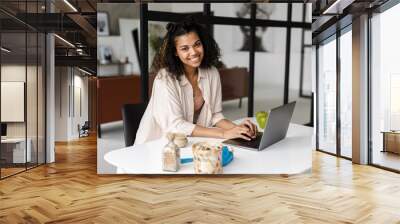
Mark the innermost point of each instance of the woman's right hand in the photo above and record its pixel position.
(236, 132)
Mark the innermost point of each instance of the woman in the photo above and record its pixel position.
(186, 94)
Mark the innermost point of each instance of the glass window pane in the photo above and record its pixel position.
(297, 12)
(13, 84)
(266, 11)
(233, 42)
(385, 89)
(308, 37)
(270, 70)
(22, 63)
(237, 10)
(302, 110)
(327, 97)
(272, 11)
(346, 94)
(309, 13)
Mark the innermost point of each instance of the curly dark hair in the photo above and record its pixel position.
(166, 58)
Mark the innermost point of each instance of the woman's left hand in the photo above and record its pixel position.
(251, 126)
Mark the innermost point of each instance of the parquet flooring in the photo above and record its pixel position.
(70, 191)
(10, 171)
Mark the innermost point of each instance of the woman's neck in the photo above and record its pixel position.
(191, 73)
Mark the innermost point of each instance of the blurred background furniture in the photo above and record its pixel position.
(13, 152)
(131, 116)
(391, 141)
(235, 83)
(112, 93)
(83, 131)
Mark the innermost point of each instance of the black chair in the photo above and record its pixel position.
(131, 115)
(84, 129)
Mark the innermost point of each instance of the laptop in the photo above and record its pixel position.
(274, 131)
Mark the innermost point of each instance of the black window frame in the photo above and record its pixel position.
(380, 9)
(334, 36)
(29, 29)
(345, 22)
(206, 17)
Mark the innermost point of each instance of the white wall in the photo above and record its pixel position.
(69, 82)
(122, 48)
(61, 103)
(33, 126)
(120, 43)
(17, 73)
(80, 83)
(14, 73)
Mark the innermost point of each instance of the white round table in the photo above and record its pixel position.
(292, 155)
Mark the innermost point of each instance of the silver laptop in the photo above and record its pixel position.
(274, 131)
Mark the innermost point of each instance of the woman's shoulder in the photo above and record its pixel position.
(212, 69)
(163, 76)
(209, 72)
(165, 81)
(212, 73)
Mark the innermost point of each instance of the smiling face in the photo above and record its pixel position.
(190, 50)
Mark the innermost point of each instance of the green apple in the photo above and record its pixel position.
(262, 118)
(262, 121)
(261, 114)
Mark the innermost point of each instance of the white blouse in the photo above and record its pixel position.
(171, 106)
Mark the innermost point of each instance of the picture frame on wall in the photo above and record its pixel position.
(103, 24)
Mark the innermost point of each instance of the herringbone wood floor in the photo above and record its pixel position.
(70, 191)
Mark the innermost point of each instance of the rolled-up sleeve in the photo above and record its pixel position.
(216, 105)
(167, 109)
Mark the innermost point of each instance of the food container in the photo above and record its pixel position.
(171, 157)
(178, 138)
(207, 158)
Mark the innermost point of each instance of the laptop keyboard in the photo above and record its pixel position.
(254, 143)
